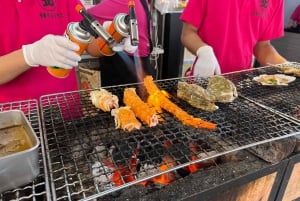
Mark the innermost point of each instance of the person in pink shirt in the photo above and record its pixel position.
(225, 36)
(130, 67)
(294, 23)
(31, 38)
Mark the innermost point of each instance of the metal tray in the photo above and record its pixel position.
(24, 171)
(20, 167)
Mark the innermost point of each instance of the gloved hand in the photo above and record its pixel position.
(125, 45)
(106, 24)
(206, 63)
(52, 50)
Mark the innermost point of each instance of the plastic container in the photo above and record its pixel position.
(18, 167)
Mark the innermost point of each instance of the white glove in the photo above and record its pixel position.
(125, 45)
(52, 51)
(206, 64)
(106, 24)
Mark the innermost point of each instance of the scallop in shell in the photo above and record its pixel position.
(274, 80)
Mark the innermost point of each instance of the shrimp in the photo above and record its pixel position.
(104, 100)
(160, 100)
(125, 119)
(139, 107)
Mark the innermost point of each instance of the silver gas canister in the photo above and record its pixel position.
(77, 35)
(118, 29)
(120, 25)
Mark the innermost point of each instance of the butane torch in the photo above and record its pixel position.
(93, 26)
(133, 25)
(81, 33)
(122, 26)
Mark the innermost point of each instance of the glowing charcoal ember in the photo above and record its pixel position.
(104, 100)
(153, 160)
(165, 178)
(121, 176)
(113, 168)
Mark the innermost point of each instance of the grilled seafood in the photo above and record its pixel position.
(274, 80)
(289, 70)
(125, 119)
(139, 107)
(222, 89)
(196, 95)
(158, 99)
(104, 100)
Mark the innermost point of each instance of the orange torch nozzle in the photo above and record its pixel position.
(131, 3)
(78, 8)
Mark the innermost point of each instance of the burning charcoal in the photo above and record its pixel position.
(102, 178)
(150, 152)
(102, 175)
(122, 152)
(100, 152)
(79, 149)
(83, 143)
(179, 152)
(166, 178)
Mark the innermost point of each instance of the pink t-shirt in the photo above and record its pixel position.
(108, 9)
(24, 22)
(296, 15)
(233, 27)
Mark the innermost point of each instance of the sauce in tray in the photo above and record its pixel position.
(13, 139)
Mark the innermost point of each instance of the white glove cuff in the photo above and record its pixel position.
(27, 56)
(204, 49)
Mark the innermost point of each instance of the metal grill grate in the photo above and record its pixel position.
(39, 188)
(284, 99)
(89, 158)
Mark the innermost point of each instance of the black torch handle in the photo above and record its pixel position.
(96, 27)
(133, 25)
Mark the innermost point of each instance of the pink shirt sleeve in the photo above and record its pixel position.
(296, 15)
(194, 12)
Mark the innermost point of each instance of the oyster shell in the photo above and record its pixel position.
(289, 70)
(196, 96)
(274, 80)
(222, 89)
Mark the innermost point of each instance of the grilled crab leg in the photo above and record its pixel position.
(104, 100)
(139, 107)
(158, 99)
(125, 118)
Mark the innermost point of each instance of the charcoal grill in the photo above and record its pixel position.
(89, 158)
(39, 188)
(282, 99)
